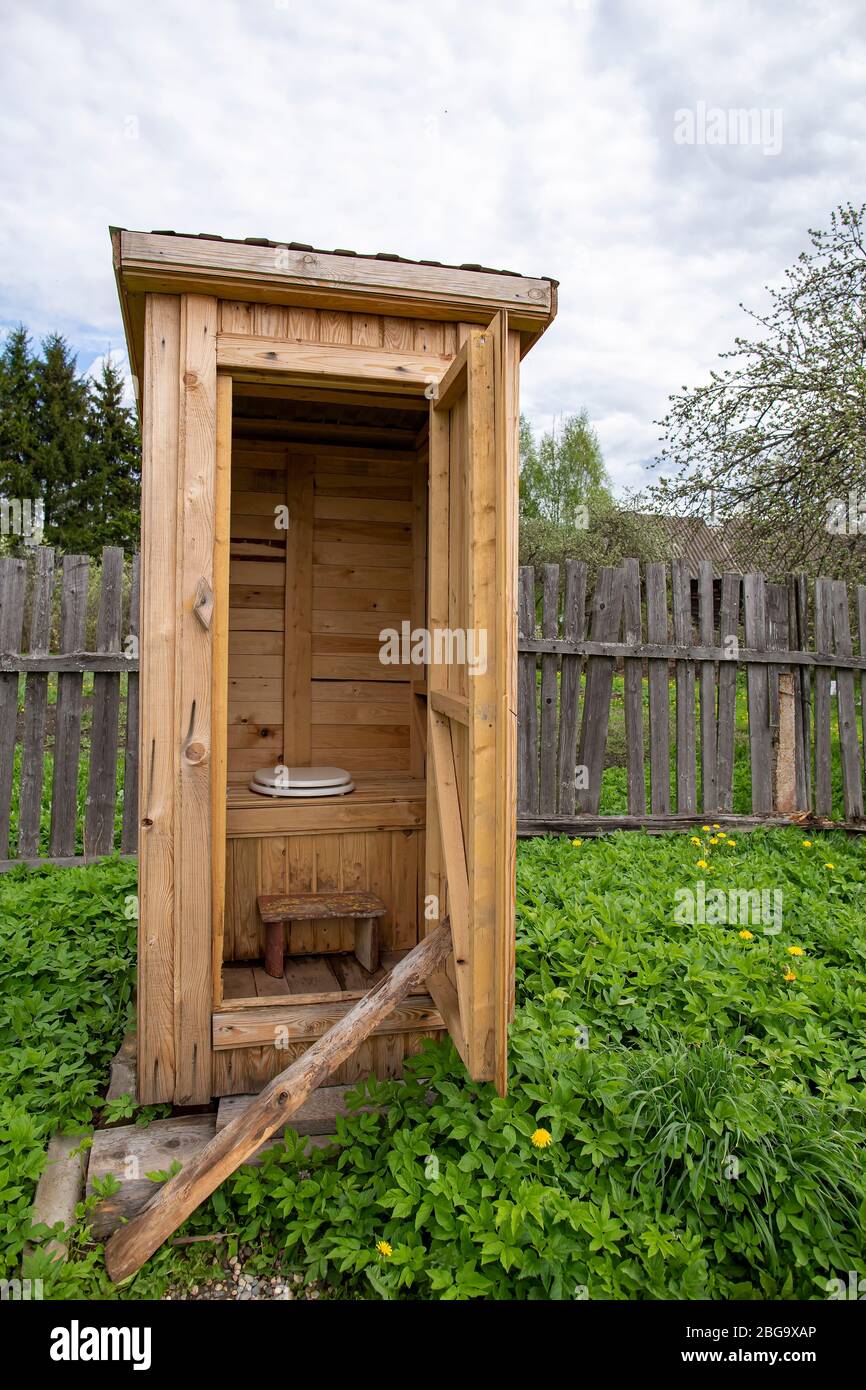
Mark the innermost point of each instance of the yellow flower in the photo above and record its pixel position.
(747, 936)
(795, 950)
(714, 839)
(716, 825)
(705, 827)
(789, 975)
(696, 840)
(702, 863)
(807, 844)
(384, 1249)
(577, 842)
(541, 1139)
(732, 843)
(829, 866)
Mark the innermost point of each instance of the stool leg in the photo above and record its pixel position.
(274, 942)
(367, 943)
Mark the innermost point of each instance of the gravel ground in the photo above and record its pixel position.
(233, 1284)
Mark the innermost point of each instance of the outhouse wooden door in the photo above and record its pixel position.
(471, 694)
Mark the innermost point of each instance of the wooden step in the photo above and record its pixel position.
(312, 907)
(278, 909)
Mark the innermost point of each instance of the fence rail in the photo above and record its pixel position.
(77, 624)
(680, 644)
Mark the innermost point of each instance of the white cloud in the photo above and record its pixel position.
(533, 136)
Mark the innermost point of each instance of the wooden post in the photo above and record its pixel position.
(130, 1246)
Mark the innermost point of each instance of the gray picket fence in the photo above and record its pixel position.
(69, 753)
(680, 643)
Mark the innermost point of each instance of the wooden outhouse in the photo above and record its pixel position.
(328, 577)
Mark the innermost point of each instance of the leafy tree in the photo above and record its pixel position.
(567, 509)
(775, 444)
(564, 474)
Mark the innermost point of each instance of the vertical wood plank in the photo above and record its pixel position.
(706, 618)
(849, 751)
(418, 617)
(605, 625)
(35, 706)
(297, 669)
(823, 647)
(758, 687)
(687, 797)
(729, 636)
(633, 691)
(67, 721)
(781, 703)
(129, 824)
(549, 692)
(861, 628)
(156, 1052)
(573, 630)
(219, 675)
(659, 692)
(12, 584)
(196, 492)
(527, 699)
(798, 630)
(104, 729)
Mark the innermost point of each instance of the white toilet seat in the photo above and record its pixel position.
(301, 781)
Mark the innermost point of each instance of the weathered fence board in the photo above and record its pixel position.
(573, 630)
(11, 627)
(35, 709)
(27, 589)
(763, 632)
(729, 628)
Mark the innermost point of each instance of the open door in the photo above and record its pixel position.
(471, 695)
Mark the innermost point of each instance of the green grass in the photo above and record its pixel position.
(706, 1142)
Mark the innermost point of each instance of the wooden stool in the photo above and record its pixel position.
(276, 909)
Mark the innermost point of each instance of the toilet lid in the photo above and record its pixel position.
(302, 778)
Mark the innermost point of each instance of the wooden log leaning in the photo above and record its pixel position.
(129, 1247)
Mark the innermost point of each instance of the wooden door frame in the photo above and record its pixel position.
(247, 358)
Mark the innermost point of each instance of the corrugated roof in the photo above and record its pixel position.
(342, 251)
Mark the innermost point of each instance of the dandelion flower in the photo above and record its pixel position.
(732, 843)
(542, 1139)
(705, 827)
(789, 975)
(384, 1249)
(807, 844)
(746, 936)
(795, 950)
(716, 825)
(702, 863)
(714, 839)
(577, 842)
(696, 840)
(829, 866)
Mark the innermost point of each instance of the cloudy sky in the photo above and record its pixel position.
(589, 140)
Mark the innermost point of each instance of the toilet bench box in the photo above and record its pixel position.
(277, 909)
